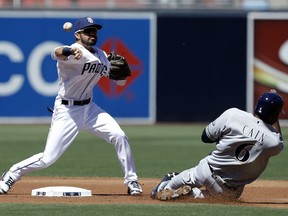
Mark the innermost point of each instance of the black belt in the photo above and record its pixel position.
(77, 103)
(211, 169)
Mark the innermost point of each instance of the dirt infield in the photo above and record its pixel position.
(261, 193)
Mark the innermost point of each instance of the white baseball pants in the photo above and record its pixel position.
(67, 122)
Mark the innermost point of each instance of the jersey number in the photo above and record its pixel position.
(242, 152)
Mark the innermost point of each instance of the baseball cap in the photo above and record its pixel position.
(86, 22)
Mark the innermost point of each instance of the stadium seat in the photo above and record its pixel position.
(51, 3)
(106, 3)
(4, 3)
(92, 3)
(61, 4)
(33, 3)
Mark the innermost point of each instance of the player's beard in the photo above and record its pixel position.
(90, 41)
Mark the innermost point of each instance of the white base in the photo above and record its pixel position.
(61, 191)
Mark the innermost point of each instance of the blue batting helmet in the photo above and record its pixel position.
(268, 107)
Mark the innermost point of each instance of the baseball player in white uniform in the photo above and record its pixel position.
(80, 67)
(244, 144)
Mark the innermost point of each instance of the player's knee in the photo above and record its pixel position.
(46, 162)
(118, 136)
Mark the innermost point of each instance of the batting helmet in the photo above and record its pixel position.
(269, 106)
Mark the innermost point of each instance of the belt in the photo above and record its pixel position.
(75, 102)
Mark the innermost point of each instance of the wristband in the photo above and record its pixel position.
(66, 51)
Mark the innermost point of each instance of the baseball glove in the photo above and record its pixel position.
(119, 67)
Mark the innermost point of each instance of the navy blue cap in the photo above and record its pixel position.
(86, 22)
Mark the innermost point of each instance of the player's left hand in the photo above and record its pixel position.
(119, 69)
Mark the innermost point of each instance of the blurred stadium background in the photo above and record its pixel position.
(146, 4)
(199, 57)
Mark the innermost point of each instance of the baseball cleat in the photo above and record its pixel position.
(162, 184)
(134, 188)
(168, 194)
(6, 182)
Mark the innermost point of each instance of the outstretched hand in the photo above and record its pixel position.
(76, 52)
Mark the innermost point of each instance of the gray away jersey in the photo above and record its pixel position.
(244, 145)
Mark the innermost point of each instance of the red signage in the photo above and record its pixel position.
(109, 87)
(269, 55)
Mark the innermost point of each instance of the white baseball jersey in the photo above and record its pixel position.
(244, 145)
(77, 79)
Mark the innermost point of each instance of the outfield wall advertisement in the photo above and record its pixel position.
(267, 57)
(28, 76)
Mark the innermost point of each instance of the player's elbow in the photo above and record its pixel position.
(205, 138)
